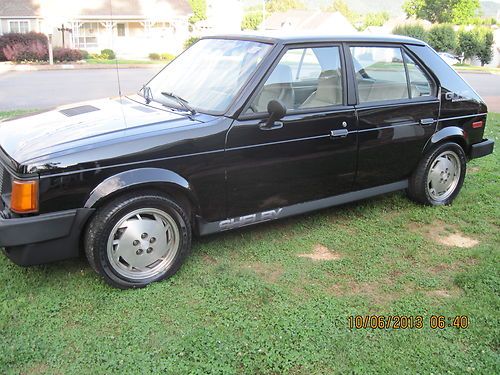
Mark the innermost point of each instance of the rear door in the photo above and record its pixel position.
(397, 109)
(310, 154)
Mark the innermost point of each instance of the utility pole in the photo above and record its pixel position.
(51, 54)
(63, 29)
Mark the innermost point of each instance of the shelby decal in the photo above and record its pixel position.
(249, 219)
(457, 97)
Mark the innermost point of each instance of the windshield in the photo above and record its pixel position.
(208, 75)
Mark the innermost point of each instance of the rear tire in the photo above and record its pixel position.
(439, 176)
(137, 239)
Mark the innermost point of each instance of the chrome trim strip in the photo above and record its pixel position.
(460, 117)
(131, 163)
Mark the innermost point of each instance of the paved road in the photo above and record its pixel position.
(488, 86)
(47, 89)
(50, 88)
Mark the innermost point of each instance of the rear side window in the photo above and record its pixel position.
(420, 83)
(380, 73)
(388, 73)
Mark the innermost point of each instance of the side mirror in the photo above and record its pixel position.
(276, 111)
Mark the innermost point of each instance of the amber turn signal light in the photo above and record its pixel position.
(24, 198)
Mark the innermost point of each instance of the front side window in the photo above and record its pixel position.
(380, 73)
(304, 78)
(209, 74)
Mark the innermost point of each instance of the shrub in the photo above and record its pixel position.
(167, 56)
(468, 44)
(85, 54)
(485, 49)
(442, 38)
(154, 56)
(415, 31)
(19, 52)
(190, 41)
(67, 54)
(35, 40)
(251, 21)
(108, 54)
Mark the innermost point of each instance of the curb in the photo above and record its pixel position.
(7, 67)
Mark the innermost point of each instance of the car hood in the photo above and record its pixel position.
(32, 137)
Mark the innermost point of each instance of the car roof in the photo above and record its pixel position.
(278, 37)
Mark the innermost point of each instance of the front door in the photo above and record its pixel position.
(397, 110)
(311, 152)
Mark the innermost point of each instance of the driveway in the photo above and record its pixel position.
(50, 88)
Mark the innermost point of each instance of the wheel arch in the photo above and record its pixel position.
(144, 178)
(448, 134)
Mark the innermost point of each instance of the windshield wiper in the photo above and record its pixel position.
(183, 102)
(148, 94)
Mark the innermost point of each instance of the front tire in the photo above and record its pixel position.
(439, 175)
(137, 239)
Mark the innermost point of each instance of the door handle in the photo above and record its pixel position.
(276, 125)
(427, 121)
(340, 133)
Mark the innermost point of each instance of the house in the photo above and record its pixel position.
(132, 28)
(313, 21)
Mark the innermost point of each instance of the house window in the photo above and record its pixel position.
(87, 35)
(120, 29)
(19, 27)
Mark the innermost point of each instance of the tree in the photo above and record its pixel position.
(486, 41)
(199, 8)
(442, 11)
(375, 19)
(463, 11)
(251, 21)
(273, 6)
(442, 38)
(190, 41)
(413, 31)
(342, 7)
(468, 44)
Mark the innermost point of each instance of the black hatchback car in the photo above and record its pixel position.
(235, 131)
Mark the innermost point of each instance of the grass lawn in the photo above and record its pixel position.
(473, 68)
(7, 114)
(246, 302)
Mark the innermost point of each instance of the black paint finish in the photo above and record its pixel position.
(228, 165)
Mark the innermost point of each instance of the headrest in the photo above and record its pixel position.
(328, 86)
(281, 74)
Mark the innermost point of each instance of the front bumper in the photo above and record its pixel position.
(481, 149)
(43, 238)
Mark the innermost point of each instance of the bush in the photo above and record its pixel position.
(167, 57)
(251, 21)
(67, 54)
(26, 42)
(442, 38)
(85, 54)
(18, 52)
(161, 56)
(154, 56)
(486, 41)
(108, 54)
(414, 31)
(190, 41)
(468, 44)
